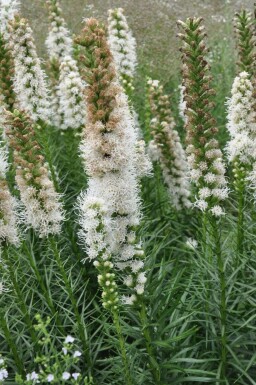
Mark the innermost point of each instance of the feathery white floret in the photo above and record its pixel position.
(70, 92)
(241, 121)
(8, 8)
(29, 79)
(59, 42)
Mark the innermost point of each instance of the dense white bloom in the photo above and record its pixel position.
(123, 46)
(59, 41)
(8, 8)
(77, 354)
(241, 121)
(8, 205)
(29, 78)
(70, 91)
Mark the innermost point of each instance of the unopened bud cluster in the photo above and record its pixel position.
(244, 29)
(166, 147)
(204, 155)
(123, 47)
(42, 207)
(6, 75)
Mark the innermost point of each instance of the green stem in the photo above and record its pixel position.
(223, 299)
(117, 324)
(154, 367)
(12, 345)
(240, 225)
(81, 326)
(44, 289)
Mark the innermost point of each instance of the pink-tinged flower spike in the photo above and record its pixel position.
(8, 205)
(29, 78)
(109, 152)
(166, 147)
(123, 47)
(70, 92)
(42, 207)
(205, 159)
(244, 29)
(8, 9)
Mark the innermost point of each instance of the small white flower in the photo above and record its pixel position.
(50, 378)
(76, 375)
(77, 354)
(3, 374)
(66, 376)
(192, 243)
(69, 340)
(65, 351)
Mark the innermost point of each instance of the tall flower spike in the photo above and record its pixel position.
(244, 28)
(29, 79)
(8, 205)
(42, 207)
(123, 47)
(166, 147)
(70, 92)
(242, 128)
(109, 153)
(8, 9)
(204, 156)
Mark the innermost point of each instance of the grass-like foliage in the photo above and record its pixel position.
(127, 215)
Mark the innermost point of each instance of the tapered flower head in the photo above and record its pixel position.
(204, 155)
(42, 206)
(244, 28)
(29, 78)
(123, 47)
(167, 148)
(70, 91)
(59, 42)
